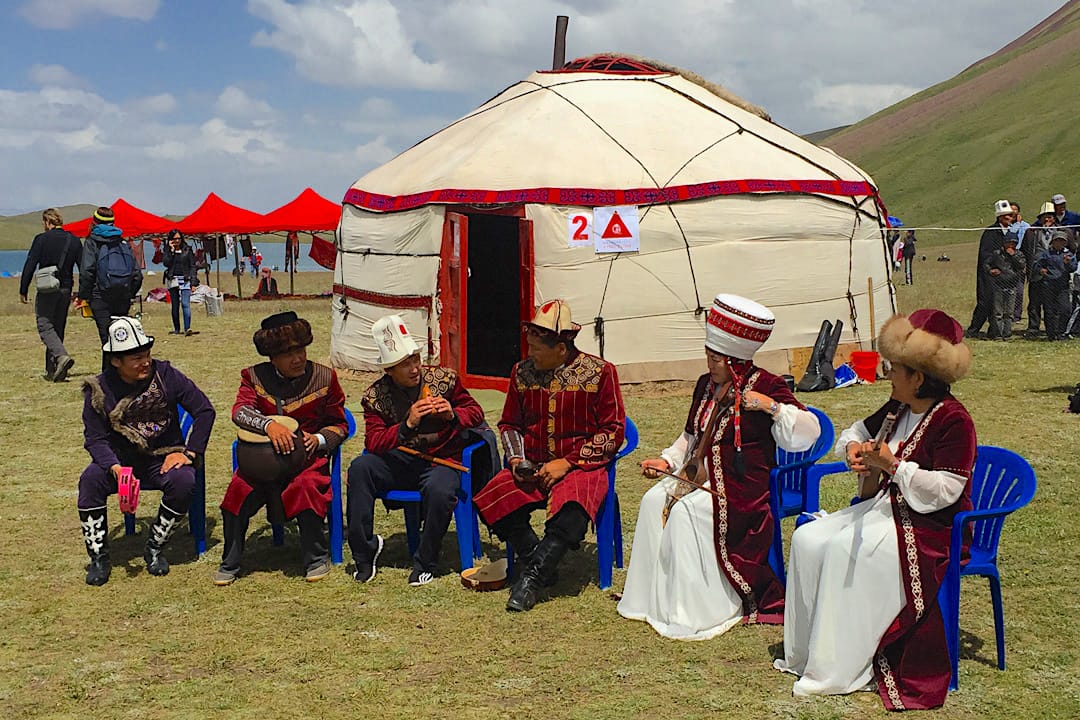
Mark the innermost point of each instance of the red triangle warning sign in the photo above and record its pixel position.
(616, 228)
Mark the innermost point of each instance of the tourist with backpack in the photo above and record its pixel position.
(109, 276)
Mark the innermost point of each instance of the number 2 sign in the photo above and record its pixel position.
(579, 229)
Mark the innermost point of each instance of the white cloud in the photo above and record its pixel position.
(236, 104)
(374, 153)
(383, 119)
(842, 103)
(776, 54)
(56, 76)
(65, 14)
(155, 104)
(359, 44)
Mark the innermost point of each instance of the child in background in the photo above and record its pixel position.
(1006, 266)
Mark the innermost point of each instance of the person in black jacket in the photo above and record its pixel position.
(109, 276)
(1006, 267)
(58, 247)
(180, 277)
(908, 252)
(1055, 266)
(1036, 241)
(992, 239)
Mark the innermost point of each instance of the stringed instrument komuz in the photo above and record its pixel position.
(870, 481)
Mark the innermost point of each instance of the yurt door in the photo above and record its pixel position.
(453, 291)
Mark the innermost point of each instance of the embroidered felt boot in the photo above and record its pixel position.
(95, 531)
(160, 531)
(538, 574)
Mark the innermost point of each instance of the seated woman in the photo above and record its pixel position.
(862, 609)
(267, 285)
(700, 558)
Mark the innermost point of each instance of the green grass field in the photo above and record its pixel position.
(274, 646)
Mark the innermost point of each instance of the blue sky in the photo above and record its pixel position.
(163, 101)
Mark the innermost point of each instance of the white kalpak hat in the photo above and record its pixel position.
(737, 327)
(1002, 207)
(393, 340)
(126, 336)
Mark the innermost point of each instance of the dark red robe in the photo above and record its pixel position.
(317, 402)
(576, 413)
(742, 521)
(912, 665)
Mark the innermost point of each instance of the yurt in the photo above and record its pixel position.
(634, 190)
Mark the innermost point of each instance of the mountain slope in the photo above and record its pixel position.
(1002, 128)
(18, 231)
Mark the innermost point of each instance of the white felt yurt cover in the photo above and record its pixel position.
(728, 202)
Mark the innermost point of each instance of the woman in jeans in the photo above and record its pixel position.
(180, 277)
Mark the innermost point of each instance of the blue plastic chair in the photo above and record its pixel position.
(1001, 483)
(793, 488)
(197, 509)
(468, 529)
(335, 517)
(609, 542)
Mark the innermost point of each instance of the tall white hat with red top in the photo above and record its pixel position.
(393, 340)
(737, 327)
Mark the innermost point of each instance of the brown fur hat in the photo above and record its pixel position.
(282, 332)
(927, 340)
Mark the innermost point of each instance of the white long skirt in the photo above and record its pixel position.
(844, 589)
(674, 582)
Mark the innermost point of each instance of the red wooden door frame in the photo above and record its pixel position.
(453, 292)
(525, 295)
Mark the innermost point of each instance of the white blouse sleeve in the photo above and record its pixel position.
(928, 491)
(795, 430)
(856, 433)
(676, 454)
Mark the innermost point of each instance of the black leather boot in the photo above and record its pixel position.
(234, 528)
(539, 573)
(316, 549)
(95, 531)
(163, 527)
(516, 530)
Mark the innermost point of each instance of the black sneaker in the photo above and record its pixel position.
(420, 577)
(366, 573)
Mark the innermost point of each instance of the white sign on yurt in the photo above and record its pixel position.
(579, 232)
(615, 229)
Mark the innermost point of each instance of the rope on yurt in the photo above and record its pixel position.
(598, 321)
(852, 310)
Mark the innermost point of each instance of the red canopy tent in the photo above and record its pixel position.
(133, 221)
(217, 216)
(308, 211)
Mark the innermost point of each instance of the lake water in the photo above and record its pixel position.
(11, 261)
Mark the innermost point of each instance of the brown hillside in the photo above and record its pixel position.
(969, 90)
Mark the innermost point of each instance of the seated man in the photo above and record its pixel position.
(130, 420)
(289, 384)
(410, 409)
(562, 423)
(267, 285)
